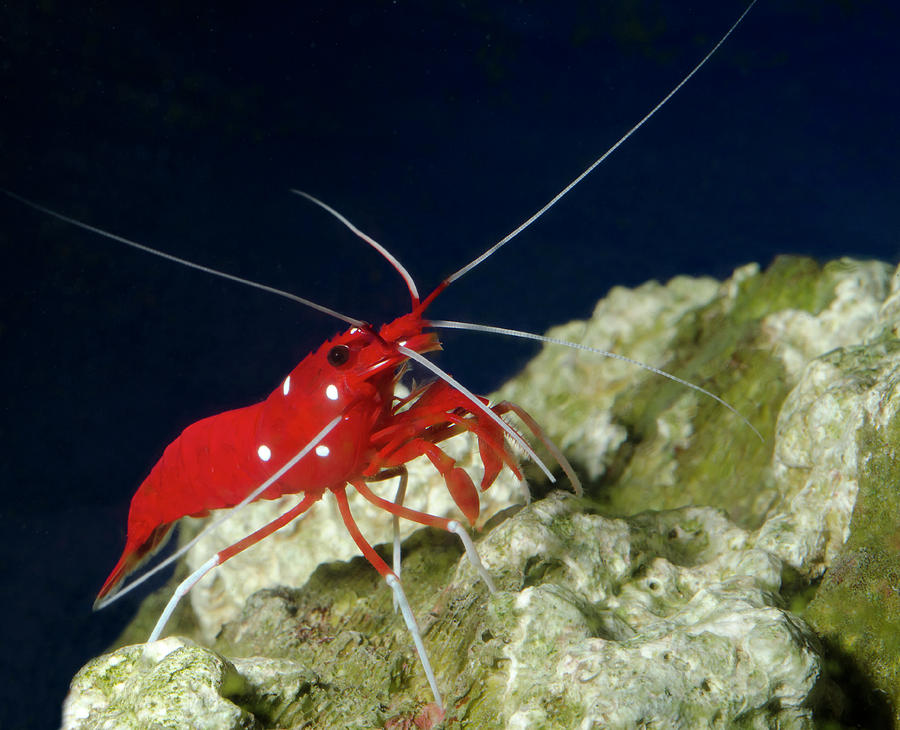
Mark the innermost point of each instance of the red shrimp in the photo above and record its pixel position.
(351, 377)
(335, 420)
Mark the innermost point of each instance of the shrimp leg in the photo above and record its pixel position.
(229, 552)
(384, 475)
(394, 583)
(423, 518)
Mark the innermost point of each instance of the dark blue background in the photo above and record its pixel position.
(436, 127)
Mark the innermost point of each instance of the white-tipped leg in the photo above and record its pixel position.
(472, 554)
(398, 499)
(182, 589)
(413, 627)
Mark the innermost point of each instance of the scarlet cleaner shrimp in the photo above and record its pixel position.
(336, 420)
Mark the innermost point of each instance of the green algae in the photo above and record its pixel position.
(857, 607)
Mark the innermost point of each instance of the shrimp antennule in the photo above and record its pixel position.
(410, 284)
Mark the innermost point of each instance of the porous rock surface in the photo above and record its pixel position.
(707, 578)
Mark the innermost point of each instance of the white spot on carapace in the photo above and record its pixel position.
(402, 343)
(331, 392)
(354, 330)
(264, 452)
(286, 388)
(322, 450)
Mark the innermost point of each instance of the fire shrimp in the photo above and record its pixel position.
(335, 420)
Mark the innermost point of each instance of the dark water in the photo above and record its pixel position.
(436, 128)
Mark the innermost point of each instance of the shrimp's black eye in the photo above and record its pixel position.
(339, 355)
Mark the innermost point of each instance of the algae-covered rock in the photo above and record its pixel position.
(857, 607)
(659, 599)
(597, 622)
(169, 683)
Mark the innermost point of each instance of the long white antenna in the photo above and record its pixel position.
(451, 325)
(186, 262)
(410, 284)
(556, 198)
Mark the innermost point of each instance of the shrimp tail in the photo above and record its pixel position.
(168, 492)
(136, 552)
